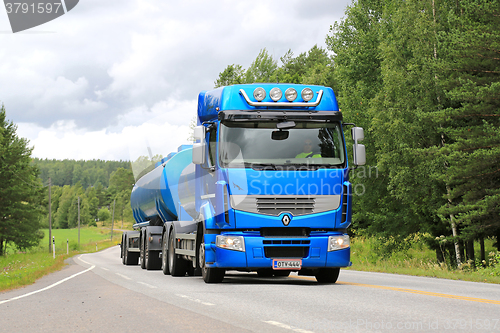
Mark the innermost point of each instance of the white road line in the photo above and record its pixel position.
(104, 268)
(123, 276)
(194, 300)
(288, 327)
(49, 287)
(80, 258)
(147, 285)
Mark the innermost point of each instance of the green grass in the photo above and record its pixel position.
(20, 269)
(87, 235)
(419, 260)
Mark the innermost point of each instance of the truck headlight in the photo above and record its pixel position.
(290, 94)
(338, 242)
(259, 94)
(236, 243)
(307, 94)
(275, 94)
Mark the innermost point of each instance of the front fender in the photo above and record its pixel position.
(208, 213)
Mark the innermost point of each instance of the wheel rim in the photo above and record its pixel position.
(202, 259)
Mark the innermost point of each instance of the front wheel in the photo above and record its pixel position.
(327, 275)
(210, 275)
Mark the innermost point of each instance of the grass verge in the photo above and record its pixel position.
(419, 260)
(21, 269)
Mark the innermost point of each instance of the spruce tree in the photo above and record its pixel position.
(470, 75)
(21, 191)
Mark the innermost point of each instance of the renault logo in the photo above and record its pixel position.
(286, 220)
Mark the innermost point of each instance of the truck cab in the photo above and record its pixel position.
(272, 181)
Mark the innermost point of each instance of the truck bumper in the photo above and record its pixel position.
(260, 252)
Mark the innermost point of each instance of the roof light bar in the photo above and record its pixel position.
(307, 95)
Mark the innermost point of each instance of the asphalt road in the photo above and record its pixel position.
(102, 295)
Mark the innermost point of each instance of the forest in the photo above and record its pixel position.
(96, 186)
(423, 79)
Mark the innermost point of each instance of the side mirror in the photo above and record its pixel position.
(358, 134)
(199, 148)
(199, 133)
(359, 153)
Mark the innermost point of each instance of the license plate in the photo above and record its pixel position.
(287, 263)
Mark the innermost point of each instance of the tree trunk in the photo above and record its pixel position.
(458, 252)
(483, 252)
(439, 255)
(461, 245)
(498, 239)
(1, 247)
(470, 250)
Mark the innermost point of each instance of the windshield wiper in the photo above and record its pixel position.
(310, 166)
(263, 166)
(324, 166)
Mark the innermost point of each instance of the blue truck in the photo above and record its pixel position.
(265, 188)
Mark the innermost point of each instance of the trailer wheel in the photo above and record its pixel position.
(152, 258)
(131, 258)
(164, 254)
(142, 251)
(210, 275)
(327, 275)
(122, 249)
(176, 265)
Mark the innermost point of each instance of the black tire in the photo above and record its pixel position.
(210, 275)
(142, 254)
(125, 252)
(151, 258)
(122, 249)
(327, 275)
(130, 258)
(176, 265)
(164, 254)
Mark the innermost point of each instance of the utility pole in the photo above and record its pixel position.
(78, 221)
(50, 215)
(113, 219)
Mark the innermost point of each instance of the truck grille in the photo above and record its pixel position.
(293, 204)
(286, 251)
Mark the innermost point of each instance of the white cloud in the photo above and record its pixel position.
(110, 73)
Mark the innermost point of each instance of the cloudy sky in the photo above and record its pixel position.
(112, 77)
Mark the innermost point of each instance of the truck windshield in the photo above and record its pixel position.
(307, 145)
